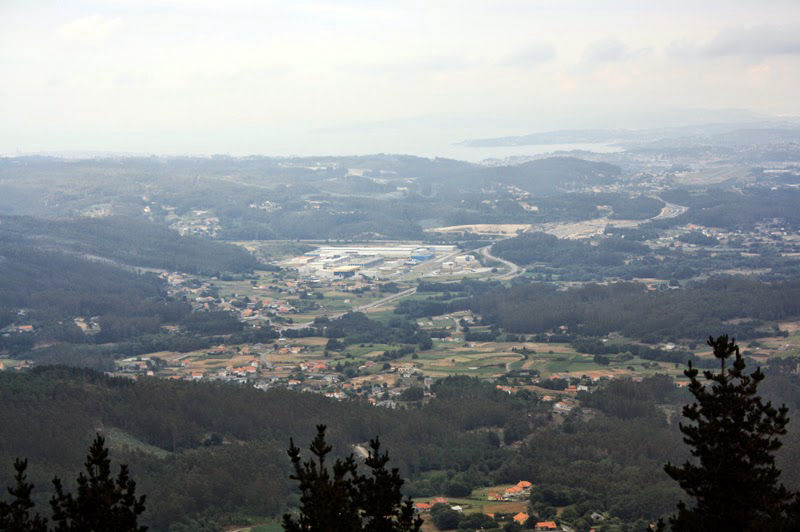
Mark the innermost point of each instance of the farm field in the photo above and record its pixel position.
(483, 229)
(488, 360)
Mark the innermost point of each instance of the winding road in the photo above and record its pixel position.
(513, 269)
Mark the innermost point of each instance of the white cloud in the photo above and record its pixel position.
(89, 29)
(765, 40)
(531, 55)
(607, 50)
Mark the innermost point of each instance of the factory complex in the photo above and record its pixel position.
(376, 261)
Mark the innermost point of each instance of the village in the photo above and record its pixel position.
(310, 287)
(326, 283)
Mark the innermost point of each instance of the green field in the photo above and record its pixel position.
(274, 526)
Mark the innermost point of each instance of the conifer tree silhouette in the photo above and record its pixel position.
(344, 499)
(733, 435)
(17, 515)
(102, 503)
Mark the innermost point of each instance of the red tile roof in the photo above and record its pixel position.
(521, 517)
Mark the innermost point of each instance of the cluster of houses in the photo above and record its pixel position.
(380, 385)
(522, 518)
(426, 506)
(521, 490)
(198, 222)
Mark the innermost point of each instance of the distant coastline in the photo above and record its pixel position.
(482, 153)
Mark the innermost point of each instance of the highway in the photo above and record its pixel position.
(362, 308)
(513, 269)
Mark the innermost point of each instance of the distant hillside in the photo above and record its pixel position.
(545, 175)
(381, 196)
(129, 241)
(553, 137)
(541, 176)
(721, 134)
(53, 272)
(52, 286)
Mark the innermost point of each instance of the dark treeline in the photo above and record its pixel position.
(629, 308)
(601, 350)
(465, 286)
(415, 308)
(357, 328)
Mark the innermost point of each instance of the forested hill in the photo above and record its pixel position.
(556, 172)
(541, 176)
(206, 454)
(220, 448)
(53, 286)
(630, 309)
(129, 241)
(54, 272)
(744, 307)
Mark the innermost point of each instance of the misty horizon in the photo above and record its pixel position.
(324, 77)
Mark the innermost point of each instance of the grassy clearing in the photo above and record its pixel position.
(478, 501)
(270, 526)
(117, 439)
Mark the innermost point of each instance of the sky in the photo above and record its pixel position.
(365, 76)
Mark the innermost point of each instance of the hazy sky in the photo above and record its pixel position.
(295, 76)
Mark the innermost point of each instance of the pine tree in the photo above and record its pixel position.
(733, 435)
(327, 502)
(102, 503)
(381, 498)
(16, 515)
(344, 499)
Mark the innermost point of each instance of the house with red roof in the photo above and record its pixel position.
(546, 525)
(521, 517)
